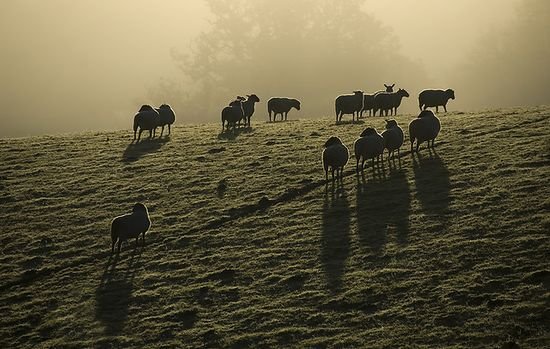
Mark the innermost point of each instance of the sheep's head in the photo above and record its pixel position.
(235, 103)
(253, 98)
(240, 98)
(296, 104)
(332, 141)
(390, 124)
(139, 207)
(164, 106)
(403, 93)
(358, 93)
(368, 131)
(146, 107)
(450, 93)
(389, 88)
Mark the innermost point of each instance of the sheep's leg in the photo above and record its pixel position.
(286, 116)
(332, 170)
(139, 134)
(417, 145)
(161, 131)
(445, 107)
(169, 131)
(326, 174)
(143, 239)
(437, 109)
(113, 246)
(118, 245)
(135, 134)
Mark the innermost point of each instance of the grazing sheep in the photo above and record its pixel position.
(385, 101)
(147, 118)
(335, 156)
(129, 226)
(424, 128)
(393, 137)
(368, 99)
(435, 98)
(369, 145)
(248, 108)
(349, 104)
(167, 116)
(233, 113)
(281, 105)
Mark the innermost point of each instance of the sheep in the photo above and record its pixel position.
(369, 145)
(129, 226)
(233, 113)
(248, 108)
(167, 116)
(435, 98)
(385, 101)
(424, 128)
(349, 104)
(336, 156)
(281, 105)
(368, 99)
(393, 137)
(147, 118)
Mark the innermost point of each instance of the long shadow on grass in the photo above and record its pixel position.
(134, 151)
(335, 239)
(114, 293)
(433, 185)
(383, 208)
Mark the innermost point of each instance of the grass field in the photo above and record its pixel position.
(250, 249)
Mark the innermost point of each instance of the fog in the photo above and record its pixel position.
(70, 66)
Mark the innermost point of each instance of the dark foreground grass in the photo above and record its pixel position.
(250, 248)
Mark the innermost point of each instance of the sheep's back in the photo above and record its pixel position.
(424, 129)
(335, 156)
(147, 120)
(349, 103)
(393, 138)
(232, 113)
(432, 98)
(129, 226)
(279, 104)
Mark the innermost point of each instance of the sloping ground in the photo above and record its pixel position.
(249, 248)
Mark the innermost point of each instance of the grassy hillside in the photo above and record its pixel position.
(250, 248)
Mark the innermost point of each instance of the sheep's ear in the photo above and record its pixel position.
(392, 85)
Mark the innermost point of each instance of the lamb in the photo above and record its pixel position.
(349, 104)
(129, 226)
(385, 101)
(281, 105)
(147, 118)
(233, 113)
(369, 145)
(435, 98)
(248, 108)
(393, 137)
(424, 128)
(335, 156)
(167, 116)
(368, 99)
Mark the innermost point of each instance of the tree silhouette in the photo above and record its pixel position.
(312, 50)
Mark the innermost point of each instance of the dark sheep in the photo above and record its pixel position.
(130, 226)
(385, 101)
(349, 104)
(248, 108)
(369, 145)
(435, 98)
(281, 105)
(425, 127)
(336, 156)
(167, 116)
(393, 137)
(233, 113)
(368, 100)
(147, 118)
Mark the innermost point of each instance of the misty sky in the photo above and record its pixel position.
(73, 65)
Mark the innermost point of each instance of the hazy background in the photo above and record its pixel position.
(69, 65)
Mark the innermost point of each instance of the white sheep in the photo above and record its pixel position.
(349, 104)
(336, 156)
(281, 105)
(130, 226)
(167, 116)
(147, 118)
(369, 145)
(435, 98)
(393, 137)
(424, 128)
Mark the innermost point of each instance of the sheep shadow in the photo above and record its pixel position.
(234, 133)
(335, 236)
(383, 209)
(349, 122)
(432, 181)
(114, 292)
(134, 151)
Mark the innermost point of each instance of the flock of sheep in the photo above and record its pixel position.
(335, 155)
